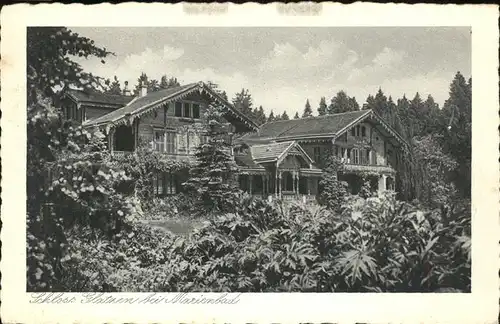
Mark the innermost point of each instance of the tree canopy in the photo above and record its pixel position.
(341, 102)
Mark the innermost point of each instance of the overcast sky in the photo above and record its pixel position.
(282, 67)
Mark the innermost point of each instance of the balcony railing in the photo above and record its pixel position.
(121, 153)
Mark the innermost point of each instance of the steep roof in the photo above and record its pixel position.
(84, 97)
(153, 100)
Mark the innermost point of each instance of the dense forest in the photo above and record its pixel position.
(86, 233)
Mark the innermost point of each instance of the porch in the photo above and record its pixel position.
(379, 177)
(287, 185)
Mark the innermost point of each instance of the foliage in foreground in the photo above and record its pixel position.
(377, 244)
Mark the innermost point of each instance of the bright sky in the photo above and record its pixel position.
(282, 67)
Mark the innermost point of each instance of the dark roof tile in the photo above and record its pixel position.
(83, 97)
(321, 125)
(141, 102)
(269, 151)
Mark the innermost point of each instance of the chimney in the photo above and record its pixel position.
(144, 90)
(126, 91)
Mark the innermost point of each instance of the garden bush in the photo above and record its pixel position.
(375, 244)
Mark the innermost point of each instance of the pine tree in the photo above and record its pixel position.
(284, 116)
(307, 110)
(243, 101)
(261, 115)
(416, 116)
(296, 116)
(212, 178)
(271, 117)
(113, 87)
(456, 126)
(323, 108)
(432, 116)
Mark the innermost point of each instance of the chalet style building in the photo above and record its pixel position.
(281, 159)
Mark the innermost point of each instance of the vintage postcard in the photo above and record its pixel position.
(224, 163)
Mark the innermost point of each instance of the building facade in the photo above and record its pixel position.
(281, 159)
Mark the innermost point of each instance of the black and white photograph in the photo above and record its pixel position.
(247, 159)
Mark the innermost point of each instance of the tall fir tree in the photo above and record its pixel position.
(285, 116)
(243, 101)
(296, 116)
(307, 110)
(323, 108)
(212, 178)
(456, 126)
(271, 117)
(261, 115)
(432, 116)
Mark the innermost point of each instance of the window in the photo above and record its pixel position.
(317, 154)
(170, 184)
(170, 145)
(363, 131)
(336, 151)
(355, 156)
(289, 182)
(158, 184)
(196, 111)
(357, 131)
(178, 109)
(353, 132)
(187, 110)
(164, 184)
(164, 141)
(159, 140)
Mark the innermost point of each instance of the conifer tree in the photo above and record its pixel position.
(271, 117)
(456, 127)
(284, 116)
(296, 116)
(323, 108)
(243, 101)
(307, 110)
(261, 115)
(212, 178)
(113, 87)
